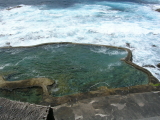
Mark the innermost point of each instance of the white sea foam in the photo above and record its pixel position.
(100, 50)
(3, 66)
(14, 51)
(25, 58)
(111, 65)
(107, 51)
(53, 49)
(107, 23)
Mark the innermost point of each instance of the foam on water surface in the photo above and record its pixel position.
(97, 22)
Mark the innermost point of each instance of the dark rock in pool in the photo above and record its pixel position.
(158, 65)
(148, 66)
(158, 10)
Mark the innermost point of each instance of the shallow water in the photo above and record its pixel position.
(75, 68)
(31, 95)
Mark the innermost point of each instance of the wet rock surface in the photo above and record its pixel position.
(154, 46)
(139, 106)
(158, 10)
(14, 7)
(128, 45)
(38, 82)
(158, 65)
(152, 66)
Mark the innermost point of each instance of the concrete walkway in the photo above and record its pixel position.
(137, 106)
(15, 110)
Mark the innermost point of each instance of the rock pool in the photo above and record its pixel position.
(75, 68)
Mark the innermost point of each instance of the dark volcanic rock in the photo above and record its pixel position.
(128, 44)
(158, 65)
(154, 46)
(148, 66)
(14, 7)
(158, 10)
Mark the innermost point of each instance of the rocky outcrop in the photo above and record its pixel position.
(152, 66)
(158, 65)
(14, 7)
(33, 82)
(128, 45)
(158, 10)
(154, 46)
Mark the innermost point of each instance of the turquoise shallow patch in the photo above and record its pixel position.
(75, 68)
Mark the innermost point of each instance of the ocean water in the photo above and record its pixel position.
(133, 24)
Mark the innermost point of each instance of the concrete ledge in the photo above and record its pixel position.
(138, 106)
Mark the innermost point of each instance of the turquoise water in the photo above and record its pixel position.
(75, 68)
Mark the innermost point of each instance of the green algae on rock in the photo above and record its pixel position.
(32, 90)
(31, 95)
(33, 82)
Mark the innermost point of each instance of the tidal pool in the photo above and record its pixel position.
(76, 68)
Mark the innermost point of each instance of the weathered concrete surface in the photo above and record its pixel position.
(14, 110)
(137, 106)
